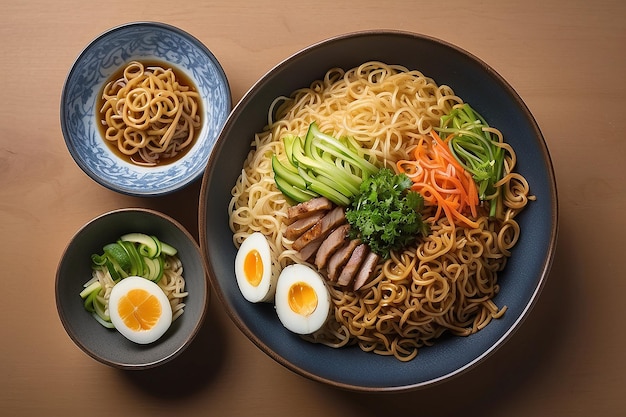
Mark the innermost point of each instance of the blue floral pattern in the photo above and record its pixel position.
(102, 58)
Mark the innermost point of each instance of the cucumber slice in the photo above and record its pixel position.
(98, 260)
(99, 309)
(161, 264)
(154, 268)
(326, 190)
(158, 245)
(136, 267)
(289, 141)
(119, 255)
(99, 319)
(89, 301)
(168, 250)
(287, 174)
(292, 192)
(148, 244)
(150, 268)
(116, 274)
(93, 287)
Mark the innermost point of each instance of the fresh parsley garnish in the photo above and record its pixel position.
(386, 213)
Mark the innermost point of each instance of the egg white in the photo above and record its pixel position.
(264, 292)
(142, 336)
(298, 323)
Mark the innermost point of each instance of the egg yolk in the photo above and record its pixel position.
(139, 309)
(253, 268)
(302, 299)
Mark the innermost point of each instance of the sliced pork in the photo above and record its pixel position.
(321, 228)
(352, 266)
(314, 205)
(339, 259)
(298, 227)
(310, 249)
(335, 240)
(320, 234)
(366, 270)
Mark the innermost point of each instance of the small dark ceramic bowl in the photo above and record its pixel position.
(103, 57)
(521, 281)
(107, 345)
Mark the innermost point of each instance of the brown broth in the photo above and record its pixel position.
(182, 79)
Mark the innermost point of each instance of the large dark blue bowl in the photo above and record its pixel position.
(522, 280)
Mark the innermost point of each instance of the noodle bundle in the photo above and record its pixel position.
(148, 115)
(444, 282)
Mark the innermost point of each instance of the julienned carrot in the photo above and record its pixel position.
(442, 181)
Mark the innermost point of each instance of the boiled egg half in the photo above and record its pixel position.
(302, 299)
(253, 269)
(139, 310)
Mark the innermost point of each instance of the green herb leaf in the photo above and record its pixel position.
(386, 213)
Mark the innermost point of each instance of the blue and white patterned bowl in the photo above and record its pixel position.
(104, 56)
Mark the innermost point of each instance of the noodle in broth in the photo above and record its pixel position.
(148, 116)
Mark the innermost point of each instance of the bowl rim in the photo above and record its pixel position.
(545, 268)
(188, 339)
(111, 185)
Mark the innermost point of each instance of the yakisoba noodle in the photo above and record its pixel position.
(446, 281)
(148, 115)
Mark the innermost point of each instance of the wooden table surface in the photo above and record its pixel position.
(567, 61)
